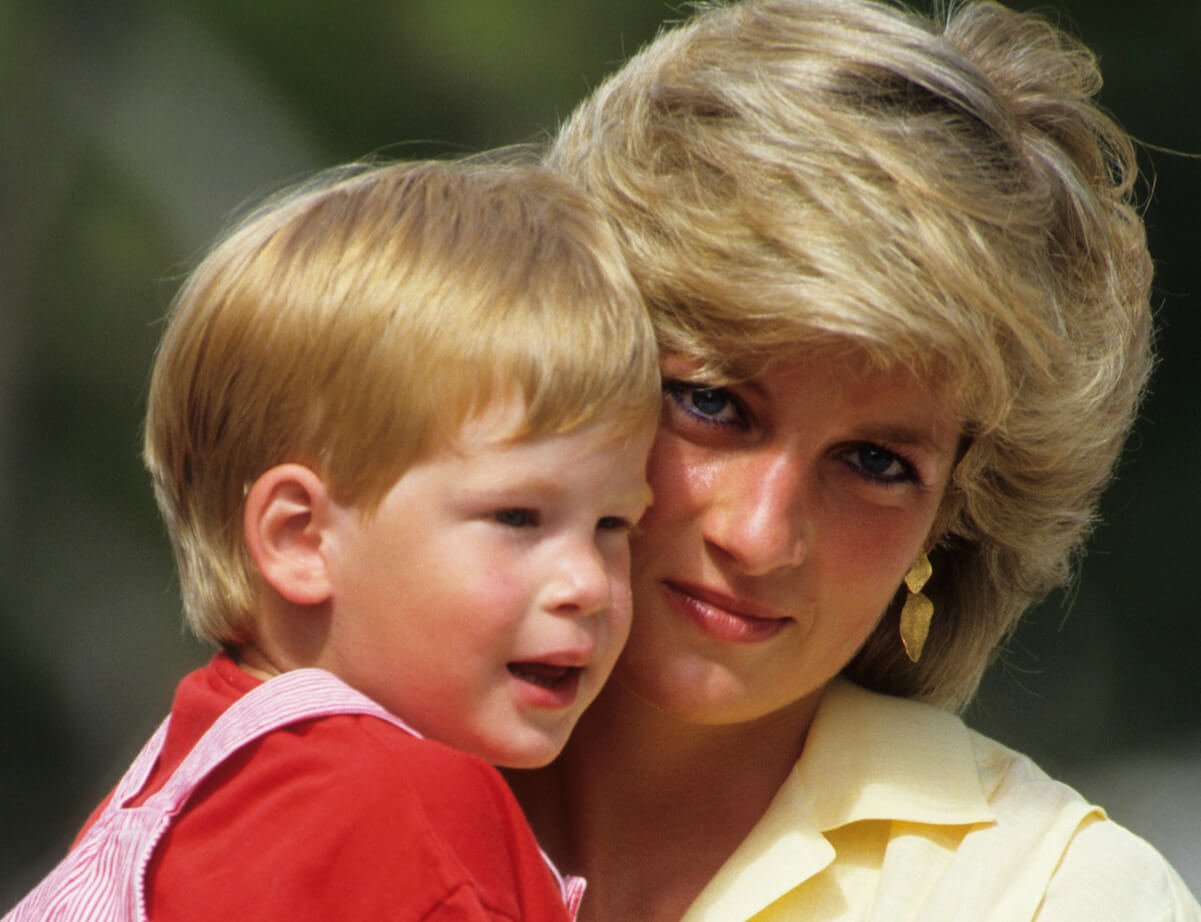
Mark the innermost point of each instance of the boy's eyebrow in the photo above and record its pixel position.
(534, 483)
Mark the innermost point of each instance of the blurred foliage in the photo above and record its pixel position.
(133, 128)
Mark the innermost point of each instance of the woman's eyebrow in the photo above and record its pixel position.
(901, 434)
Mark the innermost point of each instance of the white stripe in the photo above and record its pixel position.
(102, 878)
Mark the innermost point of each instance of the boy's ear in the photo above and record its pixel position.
(283, 522)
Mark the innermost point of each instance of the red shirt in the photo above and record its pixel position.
(343, 817)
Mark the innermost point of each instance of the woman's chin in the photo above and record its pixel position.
(692, 690)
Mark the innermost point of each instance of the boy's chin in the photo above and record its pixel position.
(535, 754)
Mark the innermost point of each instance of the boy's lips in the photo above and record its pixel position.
(723, 616)
(545, 674)
(548, 684)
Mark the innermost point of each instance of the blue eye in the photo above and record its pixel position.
(710, 401)
(880, 464)
(516, 518)
(714, 405)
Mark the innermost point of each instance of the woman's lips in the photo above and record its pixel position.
(723, 617)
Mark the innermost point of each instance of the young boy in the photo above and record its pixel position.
(397, 427)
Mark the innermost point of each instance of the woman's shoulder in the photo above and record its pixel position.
(1108, 872)
(1097, 869)
(981, 824)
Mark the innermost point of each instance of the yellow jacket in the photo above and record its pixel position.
(896, 811)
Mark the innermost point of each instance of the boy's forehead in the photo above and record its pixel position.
(498, 422)
(504, 421)
(607, 454)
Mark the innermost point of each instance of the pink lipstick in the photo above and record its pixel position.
(722, 617)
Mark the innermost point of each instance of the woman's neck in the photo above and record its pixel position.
(648, 807)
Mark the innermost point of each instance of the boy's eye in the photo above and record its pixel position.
(612, 523)
(516, 517)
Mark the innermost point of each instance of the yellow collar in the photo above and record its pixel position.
(874, 757)
(867, 757)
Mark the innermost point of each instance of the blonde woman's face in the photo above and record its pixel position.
(787, 510)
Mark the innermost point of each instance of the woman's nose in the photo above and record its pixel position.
(757, 514)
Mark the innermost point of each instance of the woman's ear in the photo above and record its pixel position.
(283, 523)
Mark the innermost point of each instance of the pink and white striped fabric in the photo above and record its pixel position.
(103, 878)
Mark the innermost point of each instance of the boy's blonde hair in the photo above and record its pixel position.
(353, 325)
(940, 192)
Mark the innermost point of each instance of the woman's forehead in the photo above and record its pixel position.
(842, 356)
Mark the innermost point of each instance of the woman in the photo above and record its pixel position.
(902, 295)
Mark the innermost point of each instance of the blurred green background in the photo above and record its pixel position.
(131, 130)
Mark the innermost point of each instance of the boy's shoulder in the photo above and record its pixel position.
(351, 815)
(348, 813)
(362, 758)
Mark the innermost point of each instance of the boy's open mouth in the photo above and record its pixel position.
(544, 675)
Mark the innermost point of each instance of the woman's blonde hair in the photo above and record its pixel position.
(356, 323)
(942, 192)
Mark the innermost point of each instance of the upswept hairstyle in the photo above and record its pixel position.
(941, 192)
(353, 325)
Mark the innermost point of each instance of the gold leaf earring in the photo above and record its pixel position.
(918, 610)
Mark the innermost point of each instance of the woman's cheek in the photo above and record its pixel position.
(681, 476)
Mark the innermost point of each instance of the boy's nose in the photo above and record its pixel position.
(581, 583)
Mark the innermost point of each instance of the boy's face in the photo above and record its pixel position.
(487, 597)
